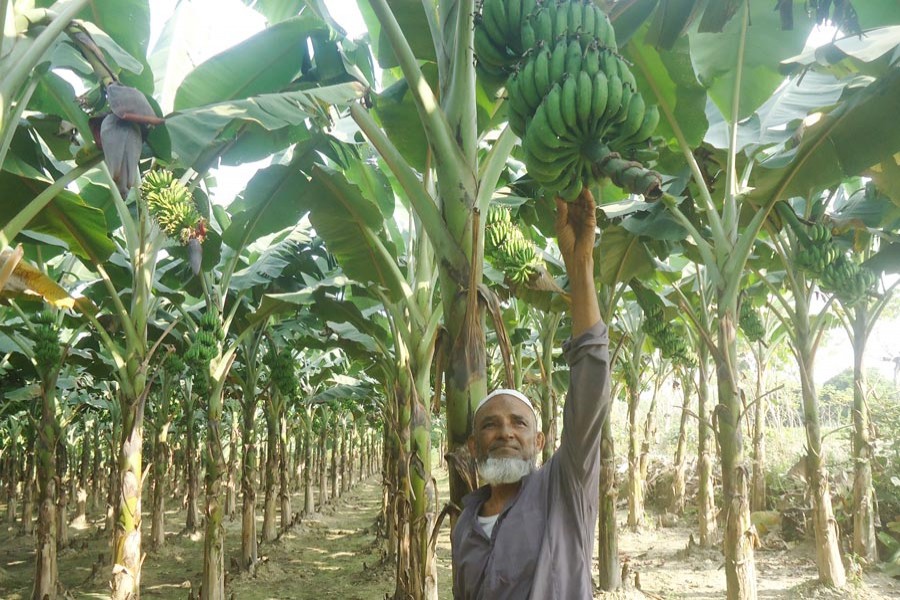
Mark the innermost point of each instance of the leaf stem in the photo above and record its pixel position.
(492, 167)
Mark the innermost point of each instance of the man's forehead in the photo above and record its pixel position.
(503, 404)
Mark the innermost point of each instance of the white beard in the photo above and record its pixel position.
(495, 471)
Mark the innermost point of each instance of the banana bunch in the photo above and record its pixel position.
(750, 323)
(507, 247)
(281, 367)
(171, 205)
(173, 364)
(204, 347)
(823, 259)
(572, 98)
(46, 343)
(665, 335)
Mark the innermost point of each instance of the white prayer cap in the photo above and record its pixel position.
(506, 392)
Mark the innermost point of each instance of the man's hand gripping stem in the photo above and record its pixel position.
(576, 231)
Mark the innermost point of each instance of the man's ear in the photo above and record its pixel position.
(539, 440)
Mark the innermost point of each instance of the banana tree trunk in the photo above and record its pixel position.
(740, 568)
(422, 517)
(284, 486)
(28, 486)
(321, 464)
(12, 482)
(610, 578)
(308, 506)
(96, 468)
(213, 582)
(344, 486)
(249, 469)
(46, 572)
(231, 482)
(649, 433)
(62, 490)
(81, 493)
(126, 575)
(863, 493)
(758, 488)
(269, 532)
(635, 485)
(335, 449)
(828, 556)
(192, 461)
(706, 505)
(677, 506)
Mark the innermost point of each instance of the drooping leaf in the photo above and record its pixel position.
(276, 11)
(127, 22)
(263, 64)
(194, 132)
(26, 279)
(271, 202)
(715, 57)
(622, 256)
(351, 226)
(843, 143)
(848, 54)
(667, 78)
(66, 217)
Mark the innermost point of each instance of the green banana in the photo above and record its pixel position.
(569, 103)
(646, 129)
(558, 61)
(553, 102)
(542, 70)
(573, 58)
(493, 19)
(584, 99)
(599, 94)
(527, 87)
(613, 101)
(633, 118)
(591, 61)
(575, 12)
(543, 25)
(486, 52)
(588, 20)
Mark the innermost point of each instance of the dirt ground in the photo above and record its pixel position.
(333, 555)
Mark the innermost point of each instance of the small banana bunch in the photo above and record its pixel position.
(173, 364)
(281, 367)
(750, 323)
(572, 98)
(508, 248)
(665, 335)
(824, 260)
(172, 206)
(204, 348)
(46, 343)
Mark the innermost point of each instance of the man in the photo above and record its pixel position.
(530, 533)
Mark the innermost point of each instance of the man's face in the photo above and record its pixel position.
(505, 428)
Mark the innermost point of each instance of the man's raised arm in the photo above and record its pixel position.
(587, 353)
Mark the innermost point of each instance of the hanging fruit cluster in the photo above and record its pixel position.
(572, 98)
(666, 335)
(172, 207)
(507, 247)
(750, 323)
(281, 366)
(204, 347)
(173, 364)
(46, 343)
(824, 260)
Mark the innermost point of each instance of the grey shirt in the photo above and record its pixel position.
(542, 543)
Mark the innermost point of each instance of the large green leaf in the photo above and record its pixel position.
(196, 132)
(66, 217)
(127, 22)
(269, 264)
(854, 136)
(351, 226)
(411, 17)
(622, 256)
(276, 11)
(850, 54)
(271, 202)
(264, 63)
(396, 110)
(667, 78)
(777, 119)
(715, 57)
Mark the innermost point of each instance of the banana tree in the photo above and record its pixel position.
(740, 70)
(867, 220)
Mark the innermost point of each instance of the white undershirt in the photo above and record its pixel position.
(487, 523)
